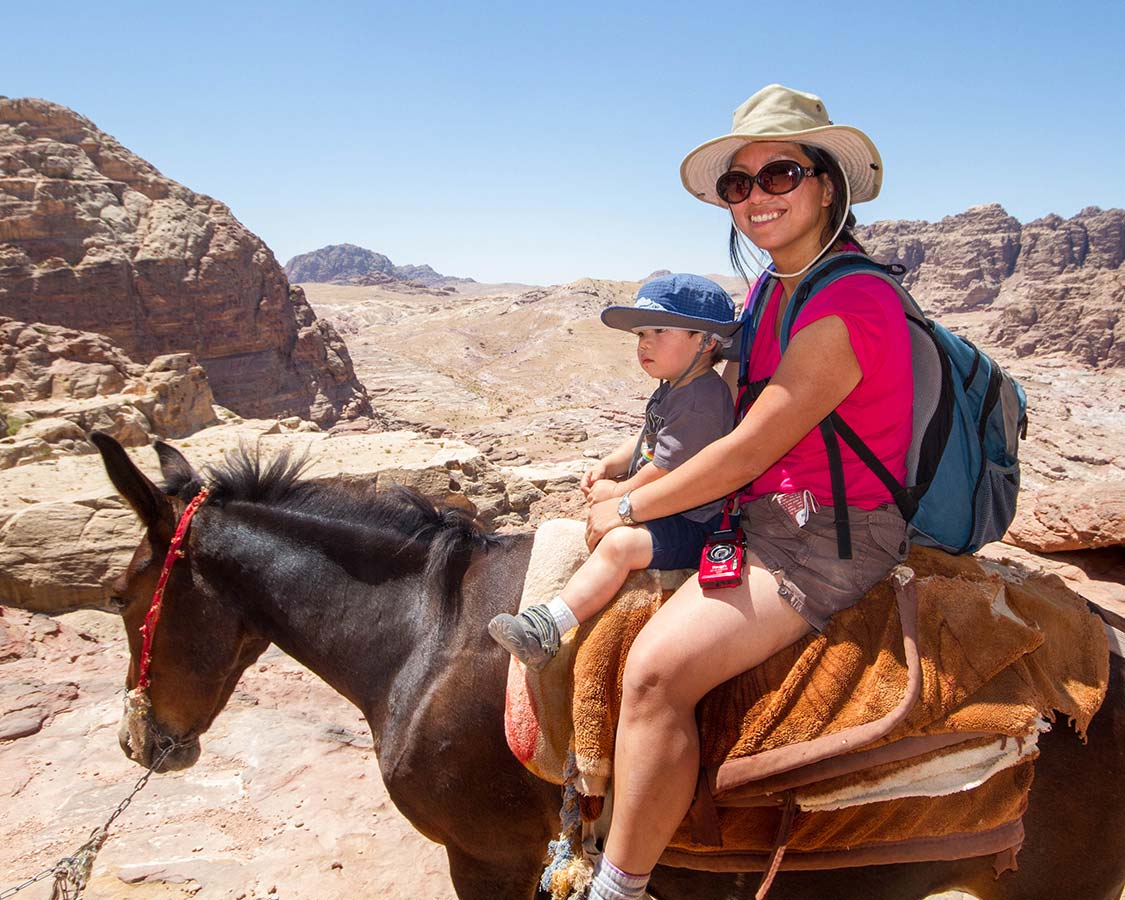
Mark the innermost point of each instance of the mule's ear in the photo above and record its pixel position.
(174, 465)
(150, 505)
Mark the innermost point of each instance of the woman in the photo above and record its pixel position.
(786, 174)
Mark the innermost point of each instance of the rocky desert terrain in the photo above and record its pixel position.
(131, 304)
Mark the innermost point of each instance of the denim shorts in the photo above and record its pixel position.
(805, 560)
(677, 542)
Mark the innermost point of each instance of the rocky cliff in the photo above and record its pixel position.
(1056, 284)
(349, 264)
(94, 238)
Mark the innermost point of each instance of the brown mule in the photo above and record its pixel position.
(387, 599)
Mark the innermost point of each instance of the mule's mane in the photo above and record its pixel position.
(360, 523)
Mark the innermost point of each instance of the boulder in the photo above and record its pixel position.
(1074, 516)
(64, 555)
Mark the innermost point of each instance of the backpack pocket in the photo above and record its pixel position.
(995, 502)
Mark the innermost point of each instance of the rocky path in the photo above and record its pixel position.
(286, 802)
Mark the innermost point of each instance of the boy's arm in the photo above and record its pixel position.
(617, 463)
(612, 466)
(604, 490)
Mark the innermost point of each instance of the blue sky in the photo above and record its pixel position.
(541, 142)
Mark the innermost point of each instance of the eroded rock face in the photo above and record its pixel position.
(94, 238)
(957, 263)
(1056, 283)
(57, 384)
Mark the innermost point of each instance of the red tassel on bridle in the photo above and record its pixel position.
(153, 615)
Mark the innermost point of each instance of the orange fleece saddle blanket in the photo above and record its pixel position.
(905, 732)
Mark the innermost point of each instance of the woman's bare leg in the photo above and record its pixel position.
(696, 641)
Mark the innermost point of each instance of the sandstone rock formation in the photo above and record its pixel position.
(57, 384)
(1056, 282)
(349, 264)
(65, 535)
(94, 238)
(1071, 517)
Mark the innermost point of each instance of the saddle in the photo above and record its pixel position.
(906, 732)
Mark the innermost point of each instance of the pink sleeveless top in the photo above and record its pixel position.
(879, 408)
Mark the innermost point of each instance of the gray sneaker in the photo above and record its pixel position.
(532, 637)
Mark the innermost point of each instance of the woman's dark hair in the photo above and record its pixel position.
(823, 160)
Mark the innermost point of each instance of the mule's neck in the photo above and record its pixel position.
(351, 628)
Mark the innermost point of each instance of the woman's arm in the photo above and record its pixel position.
(818, 370)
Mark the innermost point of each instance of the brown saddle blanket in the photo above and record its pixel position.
(810, 749)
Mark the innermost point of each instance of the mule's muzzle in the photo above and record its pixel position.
(144, 742)
(182, 756)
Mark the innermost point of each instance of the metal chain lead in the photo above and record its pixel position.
(74, 870)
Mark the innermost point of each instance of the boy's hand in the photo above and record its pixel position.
(594, 474)
(603, 489)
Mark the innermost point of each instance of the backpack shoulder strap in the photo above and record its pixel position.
(820, 276)
(751, 317)
(831, 270)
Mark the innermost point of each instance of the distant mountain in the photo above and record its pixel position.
(349, 264)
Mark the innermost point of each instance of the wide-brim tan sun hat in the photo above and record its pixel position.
(778, 113)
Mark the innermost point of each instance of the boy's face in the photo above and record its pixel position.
(666, 353)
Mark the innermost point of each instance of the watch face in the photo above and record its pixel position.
(624, 507)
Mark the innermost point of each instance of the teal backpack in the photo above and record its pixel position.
(962, 468)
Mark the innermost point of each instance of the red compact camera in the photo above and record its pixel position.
(720, 565)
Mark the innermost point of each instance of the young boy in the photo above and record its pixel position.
(682, 322)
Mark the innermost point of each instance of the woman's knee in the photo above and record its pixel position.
(653, 681)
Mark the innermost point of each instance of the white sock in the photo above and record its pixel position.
(610, 883)
(562, 615)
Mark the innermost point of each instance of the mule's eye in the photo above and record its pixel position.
(118, 604)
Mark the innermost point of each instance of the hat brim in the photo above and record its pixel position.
(850, 147)
(627, 318)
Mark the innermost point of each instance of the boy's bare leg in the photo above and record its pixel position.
(598, 580)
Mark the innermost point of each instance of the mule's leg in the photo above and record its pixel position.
(514, 877)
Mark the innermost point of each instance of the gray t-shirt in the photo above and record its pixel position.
(681, 422)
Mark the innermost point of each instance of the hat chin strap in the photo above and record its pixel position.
(847, 205)
(703, 339)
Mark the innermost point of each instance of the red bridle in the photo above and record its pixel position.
(153, 615)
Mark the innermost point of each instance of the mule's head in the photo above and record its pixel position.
(201, 644)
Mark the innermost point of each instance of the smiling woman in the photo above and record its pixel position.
(787, 177)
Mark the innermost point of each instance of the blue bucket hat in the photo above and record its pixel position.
(677, 301)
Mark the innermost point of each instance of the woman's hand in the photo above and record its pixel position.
(603, 490)
(600, 520)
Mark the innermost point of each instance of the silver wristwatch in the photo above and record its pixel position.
(625, 509)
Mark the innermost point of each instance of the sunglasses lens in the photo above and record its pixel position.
(779, 177)
(733, 187)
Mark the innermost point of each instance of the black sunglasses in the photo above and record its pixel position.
(779, 177)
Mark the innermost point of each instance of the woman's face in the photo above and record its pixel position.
(784, 224)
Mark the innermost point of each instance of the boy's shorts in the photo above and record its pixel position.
(677, 542)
